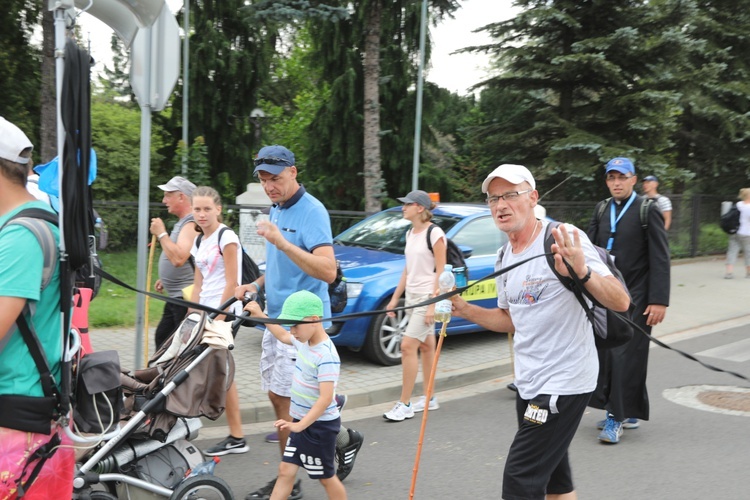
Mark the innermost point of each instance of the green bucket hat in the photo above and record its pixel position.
(301, 305)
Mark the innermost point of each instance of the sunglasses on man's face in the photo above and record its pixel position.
(272, 160)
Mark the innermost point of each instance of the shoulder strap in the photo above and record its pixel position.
(429, 231)
(34, 219)
(644, 212)
(600, 209)
(218, 238)
(571, 283)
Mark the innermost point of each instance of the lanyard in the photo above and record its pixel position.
(613, 222)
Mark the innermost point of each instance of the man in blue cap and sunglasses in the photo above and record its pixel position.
(299, 256)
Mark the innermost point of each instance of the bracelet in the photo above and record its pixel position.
(588, 275)
(162, 235)
(257, 287)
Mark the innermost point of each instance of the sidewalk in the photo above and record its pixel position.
(701, 301)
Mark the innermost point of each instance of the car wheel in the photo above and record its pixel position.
(383, 342)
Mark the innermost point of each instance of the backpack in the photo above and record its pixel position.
(453, 256)
(250, 271)
(610, 329)
(730, 221)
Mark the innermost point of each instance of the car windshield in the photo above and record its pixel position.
(384, 231)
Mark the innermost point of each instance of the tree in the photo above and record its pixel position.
(369, 61)
(584, 90)
(230, 55)
(20, 66)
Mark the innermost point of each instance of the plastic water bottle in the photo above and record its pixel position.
(202, 468)
(446, 283)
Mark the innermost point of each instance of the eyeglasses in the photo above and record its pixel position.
(617, 177)
(512, 196)
(272, 160)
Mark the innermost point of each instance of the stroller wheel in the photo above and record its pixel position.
(205, 487)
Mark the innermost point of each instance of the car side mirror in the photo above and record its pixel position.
(466, 251)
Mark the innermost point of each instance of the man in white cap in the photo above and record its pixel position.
(555, 355)
(174, 275)
(25, 422)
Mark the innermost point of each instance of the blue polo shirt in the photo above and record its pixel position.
(304, 222)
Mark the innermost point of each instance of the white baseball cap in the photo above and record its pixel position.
(13, 142)
(515, 174)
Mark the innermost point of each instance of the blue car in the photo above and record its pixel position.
(371, 255)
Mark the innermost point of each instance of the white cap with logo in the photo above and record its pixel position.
(13, 142)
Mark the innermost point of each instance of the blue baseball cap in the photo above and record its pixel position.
(620, 164)
(273, 159)
(651, 178)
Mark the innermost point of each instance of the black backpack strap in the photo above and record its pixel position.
(572, 282)
(645, 206)
(49, 387)
(218, 239)
(429, 231)
(41, 454)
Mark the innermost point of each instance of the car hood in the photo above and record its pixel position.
(360, 264)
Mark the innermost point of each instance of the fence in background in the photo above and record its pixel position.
(695, 230)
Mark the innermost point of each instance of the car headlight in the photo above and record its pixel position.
(354, 289)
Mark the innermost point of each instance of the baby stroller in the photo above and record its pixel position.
(150, 455)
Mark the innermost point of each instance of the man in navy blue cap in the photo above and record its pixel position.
(299, 256)
(650, 189)
(642, 255)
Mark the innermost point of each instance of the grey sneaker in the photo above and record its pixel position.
(229, 445)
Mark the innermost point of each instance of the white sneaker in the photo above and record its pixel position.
(399, 412)
(418, 405)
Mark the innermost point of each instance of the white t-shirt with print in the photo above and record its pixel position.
(554, 342)
(210, 261)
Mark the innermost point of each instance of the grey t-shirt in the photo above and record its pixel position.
(174, 279)
(554, 342)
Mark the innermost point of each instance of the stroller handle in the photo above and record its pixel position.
(245, 314)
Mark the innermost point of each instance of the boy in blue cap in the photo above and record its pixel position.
(316, 419)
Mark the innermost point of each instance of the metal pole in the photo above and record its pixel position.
(143, 213)
(185, 84)
(420, 78)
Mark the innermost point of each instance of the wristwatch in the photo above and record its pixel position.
(588, 275)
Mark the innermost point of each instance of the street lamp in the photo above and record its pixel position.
(256, 116)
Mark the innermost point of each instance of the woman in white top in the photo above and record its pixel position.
(742, 238)
(420, 281)
(217, 263)
(218, 271)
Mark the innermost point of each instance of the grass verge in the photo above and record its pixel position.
(115, 306)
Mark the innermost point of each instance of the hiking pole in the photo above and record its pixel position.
(427, 398)
(145, 307)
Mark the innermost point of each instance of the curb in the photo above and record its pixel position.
(253, 413)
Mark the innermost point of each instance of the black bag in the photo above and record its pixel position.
(453, 255)
(337, 291)
(610, 329)
(98, 395)
(730, 221)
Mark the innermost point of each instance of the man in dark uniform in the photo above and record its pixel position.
(638, 243)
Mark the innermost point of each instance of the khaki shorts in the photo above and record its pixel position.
(277, 362)
(417, 329)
